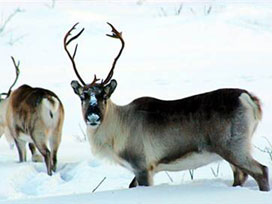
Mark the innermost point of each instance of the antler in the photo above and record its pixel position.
(118, 35)
(17, 74)
(94, 82)
(66, 42)
(115, 34)
(16, 78)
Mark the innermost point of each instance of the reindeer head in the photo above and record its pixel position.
(94, 96)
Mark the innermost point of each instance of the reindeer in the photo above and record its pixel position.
(34, 116)
(150, 135)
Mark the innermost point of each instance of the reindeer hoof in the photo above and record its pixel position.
(37, 158)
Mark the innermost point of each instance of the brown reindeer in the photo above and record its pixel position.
(151, 135)
(34, 116)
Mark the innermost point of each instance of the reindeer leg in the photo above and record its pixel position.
(47, 157)
(54, 146)
(240, 177)
(244, 161)
(21, 147)
(39, 140)
(133, 183)
(36, 157)
(144, 178)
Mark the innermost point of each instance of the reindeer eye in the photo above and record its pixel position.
(84, 96)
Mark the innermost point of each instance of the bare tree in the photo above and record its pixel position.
(82, 138)
(51, 5)
(267, 149)
(207, 9)
(216, 172)
(192, 171)
(99, 184)
(4, 22)
(179, 9)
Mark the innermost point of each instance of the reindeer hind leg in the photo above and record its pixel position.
(21, 147)
(39, 140)
(240, 177)
(240, 157)
(36, 157)
(54, 143)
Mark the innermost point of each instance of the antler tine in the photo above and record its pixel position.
(17, 74)
(66, 42)
(118, 35)
(93, 82)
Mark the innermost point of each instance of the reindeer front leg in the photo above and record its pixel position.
(142, 178)
(133, 183)
(143, 175)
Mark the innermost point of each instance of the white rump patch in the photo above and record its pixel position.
(50, 112)
(251, 105)
(53, 107)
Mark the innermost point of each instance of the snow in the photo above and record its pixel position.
(167, 55)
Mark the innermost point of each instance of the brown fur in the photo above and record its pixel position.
(151, 135)
(34, 115)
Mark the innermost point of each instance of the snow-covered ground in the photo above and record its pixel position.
(173, 50)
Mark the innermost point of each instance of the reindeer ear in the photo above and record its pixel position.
(109, 89)
(78, 89)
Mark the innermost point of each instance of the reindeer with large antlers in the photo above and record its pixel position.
(151, 135)
(34, 116)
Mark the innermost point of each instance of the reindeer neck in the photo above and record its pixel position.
(111, 117)
(110, 137)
